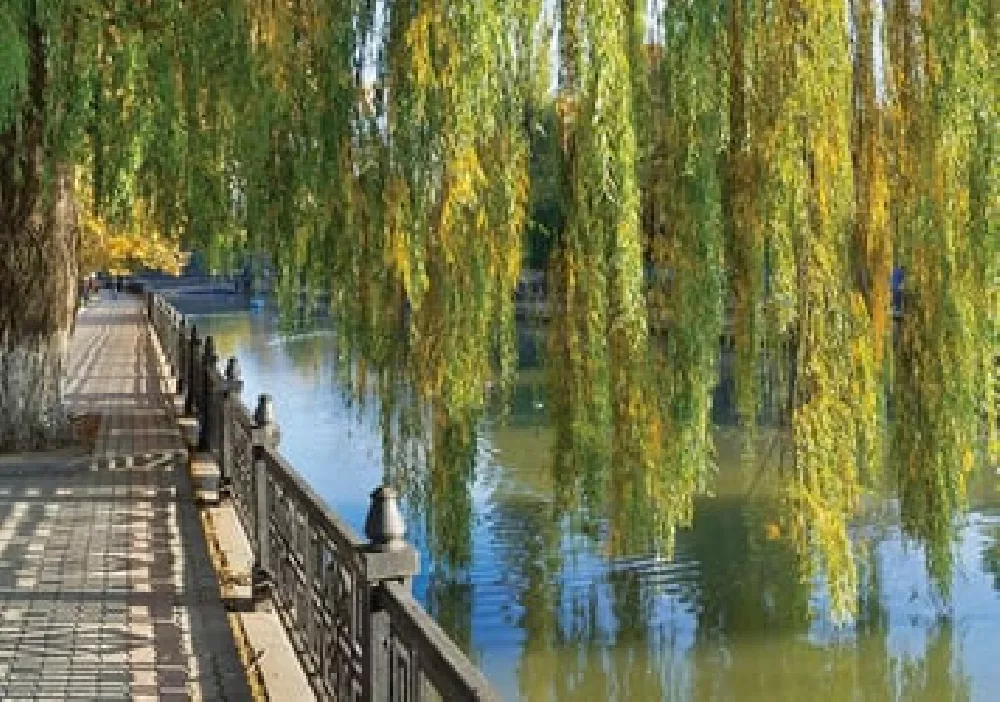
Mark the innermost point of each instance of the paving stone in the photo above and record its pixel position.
(106, 587)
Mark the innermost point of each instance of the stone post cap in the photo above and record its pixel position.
(264, 414)
(388, 555)
(234, 377)
(384, 525)
(264, 417)
(210, 356)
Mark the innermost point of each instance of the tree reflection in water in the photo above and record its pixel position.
(598, 617)
(620, 628)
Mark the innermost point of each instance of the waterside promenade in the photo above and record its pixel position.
(107, 589)
(178, 555)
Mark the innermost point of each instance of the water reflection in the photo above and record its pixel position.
(529, 580)
(749, 581)
(450, 602)
(445, 495)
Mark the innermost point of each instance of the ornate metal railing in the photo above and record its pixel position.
(345, 602)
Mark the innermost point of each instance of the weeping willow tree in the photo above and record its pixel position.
(834, 173)
(37, 225)
(777, 155)
(682, 140)
(456, 193)
(116, 113)
(800, 326)
(68, 78)
(394, 136)
(609, 454)
(759, 164)
(943, 115)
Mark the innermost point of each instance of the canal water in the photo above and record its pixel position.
(548, 615)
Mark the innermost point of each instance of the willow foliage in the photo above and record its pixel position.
(751, 166)
(684, 137)
(944, 122)
(622, 402)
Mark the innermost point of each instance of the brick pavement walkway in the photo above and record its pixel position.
(107, 591)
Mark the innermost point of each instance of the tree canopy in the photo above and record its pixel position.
(759, 166)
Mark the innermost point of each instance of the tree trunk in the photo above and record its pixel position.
(37, 293)
(37, 268)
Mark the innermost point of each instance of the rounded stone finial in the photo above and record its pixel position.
(264, 414)
(210, 357)
(264, 417)
(384, 525)
(233, 369)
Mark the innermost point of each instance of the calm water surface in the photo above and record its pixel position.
(549, 616)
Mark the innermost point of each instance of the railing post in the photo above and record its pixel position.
(266, 435)
(177, 334)
(388, 558)
(230, 395)
(181, 362)
(169, 340)
(192, 350)
(159, 322)
(208, 396)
